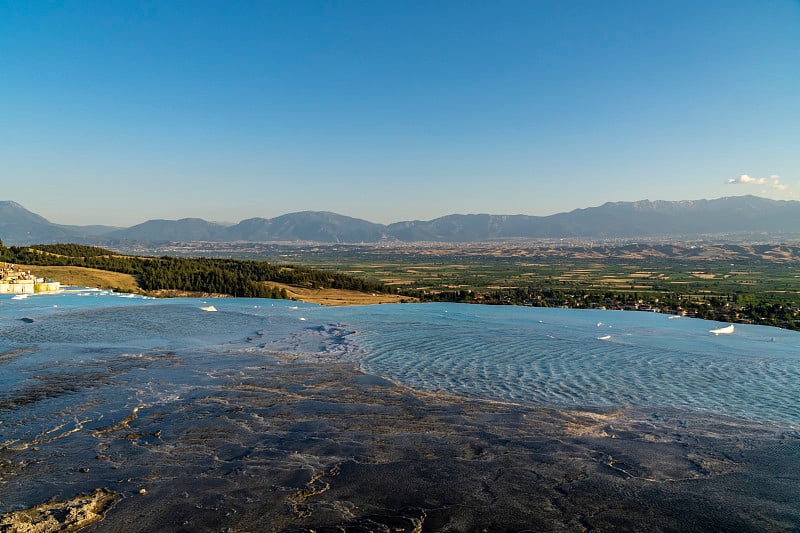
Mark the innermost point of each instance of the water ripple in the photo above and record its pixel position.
(649, 360)
(553, 357)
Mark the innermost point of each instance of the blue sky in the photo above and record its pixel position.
(119, 112)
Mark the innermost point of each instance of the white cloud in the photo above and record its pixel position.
(771, 184)
(747, 180)
(776, 183)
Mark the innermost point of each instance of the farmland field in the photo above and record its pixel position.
(747, 272)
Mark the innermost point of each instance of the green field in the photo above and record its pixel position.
(764, 279)
(727, 282)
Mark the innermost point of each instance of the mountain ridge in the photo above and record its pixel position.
(638, 219)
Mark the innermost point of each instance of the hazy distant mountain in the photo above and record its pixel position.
(305, 226)
(89, 232)
(742, 214)
(18, 225)
(732, 215)
(457, 228)
(185, 229)
(317, 226)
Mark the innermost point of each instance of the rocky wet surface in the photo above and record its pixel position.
(292, 445)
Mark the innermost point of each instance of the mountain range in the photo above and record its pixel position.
(744, 215)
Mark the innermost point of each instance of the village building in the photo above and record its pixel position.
(16, 281)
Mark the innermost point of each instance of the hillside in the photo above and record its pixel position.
(86, 277)
(18, 225)
(157, 275)
(731, 216)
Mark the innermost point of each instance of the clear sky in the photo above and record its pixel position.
(115, 112)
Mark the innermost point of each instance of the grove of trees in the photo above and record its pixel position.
(221, 276)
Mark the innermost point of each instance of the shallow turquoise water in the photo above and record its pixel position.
(109, 350)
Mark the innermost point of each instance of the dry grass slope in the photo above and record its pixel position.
(90, 277)
(338, 296)
(86, 277)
